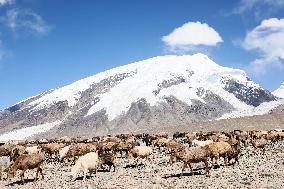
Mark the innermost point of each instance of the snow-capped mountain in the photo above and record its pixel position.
(164, 91)
(280, 91)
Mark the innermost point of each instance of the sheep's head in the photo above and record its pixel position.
(132, 153)
(173, 158)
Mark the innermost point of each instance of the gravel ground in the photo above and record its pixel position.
(254, 171)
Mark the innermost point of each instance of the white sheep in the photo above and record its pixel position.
(87, 163)
(33, 150)
(196, 143)
(140, 152)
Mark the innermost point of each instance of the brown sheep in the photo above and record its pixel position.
(107, 159)
(124, 137)
(111, 139)
(219, 149)
(123, 147)
(259, 144)
(272, 136)
(25, 162)
(161, 142)
(6, 149)
(173, 147)
(233, 142)
(233, 153)
(65, 139)
(130, 139)
(79, 150)
(193, 155)
(140, 152)
(162, 135)
(52, 149)
(16, 152)
(107, 147)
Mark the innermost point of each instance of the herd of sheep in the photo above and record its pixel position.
(87, 155)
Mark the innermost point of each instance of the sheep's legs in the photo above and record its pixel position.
(136, 162)
(263, 151)
(113, 167)
(36, 174)
(206, 167)
(85, 174)
(22, 177)
(184, 166)
(226, 161)
(191, 169)
(216, 159)
(39, 170)
(147, 161)
(237, 160)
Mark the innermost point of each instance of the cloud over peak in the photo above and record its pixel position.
(26, 20)
(266, 38)
(191, 35)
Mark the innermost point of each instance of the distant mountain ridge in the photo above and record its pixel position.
(160, 92)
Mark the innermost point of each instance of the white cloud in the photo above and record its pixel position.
(26, 20)
(191, 35)
(260, 8)
(6, 2)
(267, 39)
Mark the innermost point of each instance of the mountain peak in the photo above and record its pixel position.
(280, 91)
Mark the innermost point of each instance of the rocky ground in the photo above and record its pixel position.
(254, 171)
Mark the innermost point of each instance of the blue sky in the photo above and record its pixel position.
(48, 44)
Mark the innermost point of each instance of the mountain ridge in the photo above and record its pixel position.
(159, 92)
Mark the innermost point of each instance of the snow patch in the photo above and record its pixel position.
(262, 109)
(27, 132)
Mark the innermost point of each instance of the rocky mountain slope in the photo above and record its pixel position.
(160, 92)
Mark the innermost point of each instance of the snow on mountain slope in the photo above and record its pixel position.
(280, 91)
(25, 133)
(196, 71)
